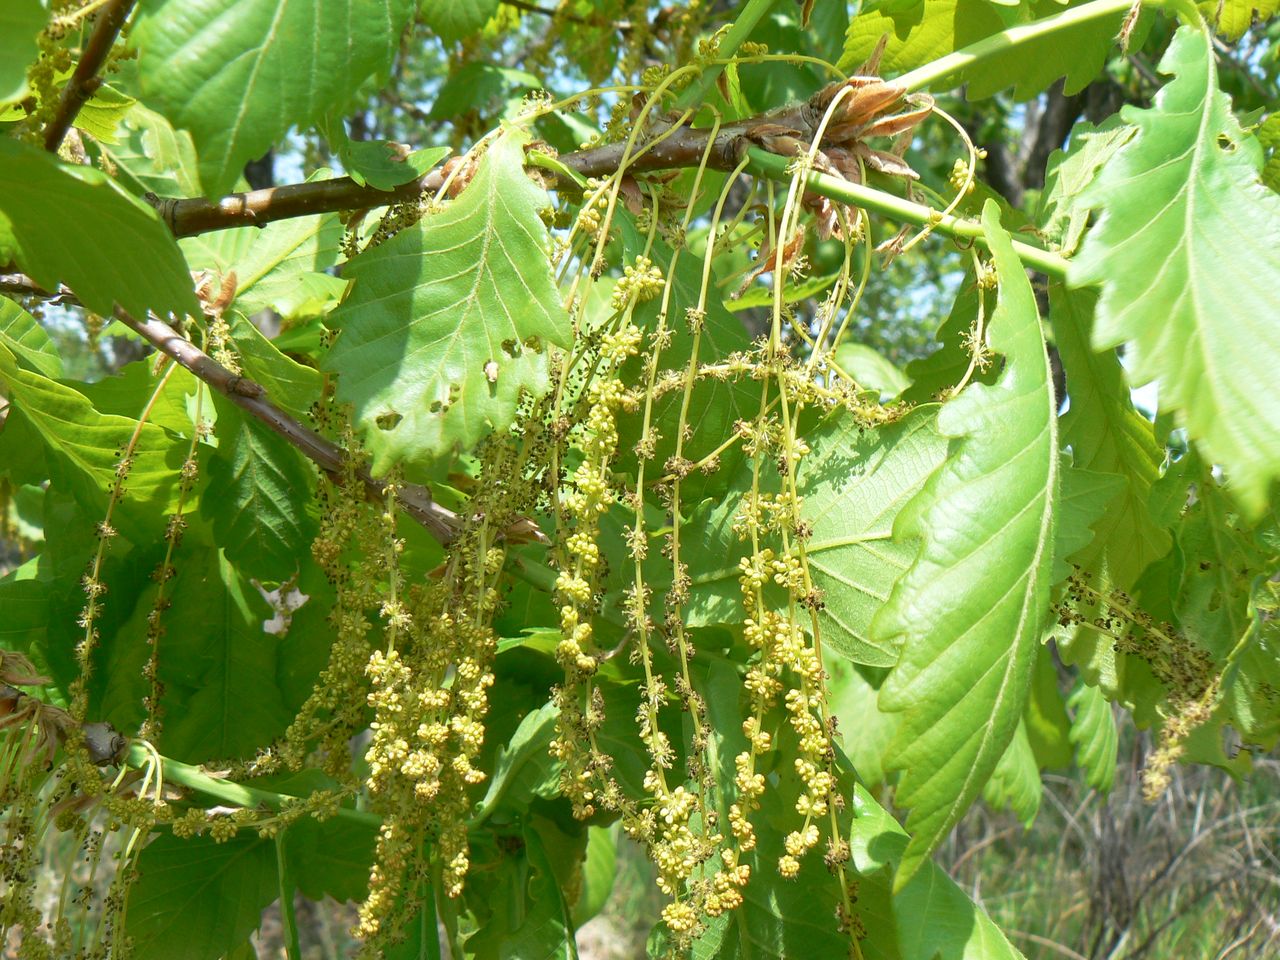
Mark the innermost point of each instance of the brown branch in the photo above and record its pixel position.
(415, 500)
(84, 81)
(187, 217)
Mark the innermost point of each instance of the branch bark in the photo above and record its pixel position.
(84, 81)
(415, 500)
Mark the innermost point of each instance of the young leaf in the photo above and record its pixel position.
(1093, 734)
(1059, 214)
(969, 612)
(239, 73)
(1186, 256)
(198, 898)
(55, 221)
(435, 349)
(1234, 17)
(922, 32)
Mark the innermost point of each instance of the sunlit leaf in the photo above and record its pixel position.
(448, 322)
(1186, 256)
(968, 614)
(83, 448)
(925, 31)
(55, 221)
(239, 73)
(853, 483)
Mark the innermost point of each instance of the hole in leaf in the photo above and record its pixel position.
(388, 421)
(1226, 144)
(511, 347)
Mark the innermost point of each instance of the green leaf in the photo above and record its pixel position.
(1186, 256)
(83, 447)
(20, 21)
(155, 158)
(530, 918)
(1093, 734)
(102, 113)
(598, 870)
(920, 33)
(435, 349)
(219, 666)
(257, 497)
(969, 612)
(379, 163)
(1107, 436)
(331, 858)
(853, 482)
(197, 898)
(31, 345)
(276, 267)
(946, 366)
(523, 769)
(1015, 782)
(452, 20)
(1060, 216)
(1046, 720)
(289, 384)
(865, 731)
(871, 369)
(476, 88)
(40, 200)
(1234, 17)
(239, 73)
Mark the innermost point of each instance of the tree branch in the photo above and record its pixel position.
(415, 500)
(84, 81)
(682, 147)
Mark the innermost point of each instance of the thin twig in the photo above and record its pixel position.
(84, 81)
(415, 500)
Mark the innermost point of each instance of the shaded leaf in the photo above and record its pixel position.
(239, 73)
(199, 899)
(145, 270)
(257, 497)
(969, 612)
(1015, 782)
(379, 163)
(102, 113)
(433, 306)
(1093, 734)
(1185, 253)
(20, 21)
(219, 665)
